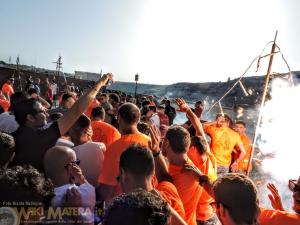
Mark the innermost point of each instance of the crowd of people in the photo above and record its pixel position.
(118, 159)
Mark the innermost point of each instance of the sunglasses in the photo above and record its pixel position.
(293, 186)
(77, 162)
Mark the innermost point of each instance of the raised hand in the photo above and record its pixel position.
(275, 197)
(73, 198)
(183, 106)
(154, 144)
(106, 78)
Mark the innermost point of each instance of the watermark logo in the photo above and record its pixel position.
(8, 216)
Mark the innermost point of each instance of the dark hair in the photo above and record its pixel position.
(179, 139)
(168, 102)
(55, 116)
(143, 128)
(241, 122)
(114, 97)
(20, 183)
(66, 96)
(15, 98)
(24, 108)
(199, 102)
(82, 122)
(32, 91)
(98, 112)
(129, 113)
(200, 144)
(227, 118)
(137, 160)
(145, 103)
(139, 207)
(238, 194)
(7, 148)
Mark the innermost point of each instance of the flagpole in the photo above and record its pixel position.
(267, 79)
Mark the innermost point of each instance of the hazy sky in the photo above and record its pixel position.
(165, 41)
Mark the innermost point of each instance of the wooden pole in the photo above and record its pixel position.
(267, 79)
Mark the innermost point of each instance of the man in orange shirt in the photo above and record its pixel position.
(240, 128)
(206, 163)
(128, 118)
(175, 146)
(223, 142)
(278, 216)
(7, 88)
(103, 132)
(136, 171)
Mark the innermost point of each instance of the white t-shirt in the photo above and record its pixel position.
(91, 156)
(155, 120)
(8, 124)
(88, 197)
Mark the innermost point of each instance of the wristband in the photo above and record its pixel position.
(156, 154)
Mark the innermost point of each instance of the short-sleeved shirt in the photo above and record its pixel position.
(7, 89)
(209, 168)
(276, 217)
(91, 156)
(169, 193)
(32, 144)
(223, 141)
(112, 155)
(104, 132)
(188, 189)
(244, 163)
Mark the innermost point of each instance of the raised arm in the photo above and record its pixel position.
(69, 118)
(161, 168)
(183, 106)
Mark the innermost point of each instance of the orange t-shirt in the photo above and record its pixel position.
(112, 155)
(7, 89)
(208, 167)
(276, 217)
(247, 145)
(188, 189)
(169, 192)
(5, 104)
(104, 132)
(223, 141)
(92, 105)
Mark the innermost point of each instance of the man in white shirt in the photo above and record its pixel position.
(153, 117)
(61, 166)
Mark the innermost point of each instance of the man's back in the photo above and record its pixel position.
(91, 155)
(223, 140)
(276, 217)
(104, 132)
(188, 189)
(113, 153)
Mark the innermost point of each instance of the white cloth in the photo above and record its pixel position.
(64, 142)
(8, 124)
(88, 197)
(54, 89)
(155, 120)
(91, 156)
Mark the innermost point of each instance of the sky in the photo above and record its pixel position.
(164, 41)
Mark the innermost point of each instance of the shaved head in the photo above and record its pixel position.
(55, 160)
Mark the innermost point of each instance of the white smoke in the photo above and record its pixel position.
(279, 135)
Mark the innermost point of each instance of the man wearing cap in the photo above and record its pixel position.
(7, 88)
